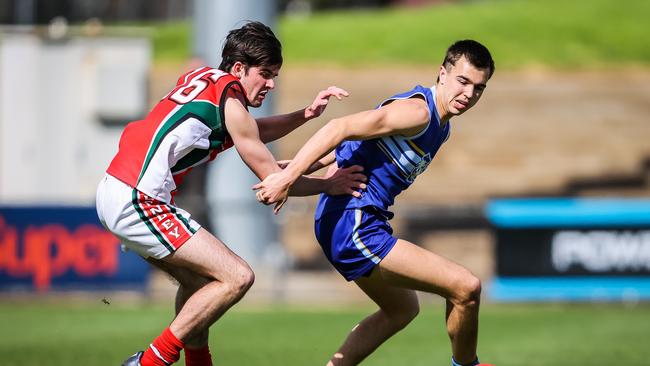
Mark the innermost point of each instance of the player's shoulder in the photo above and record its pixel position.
(216, 75)
(186, 76)
(416, 92)
(226, 85)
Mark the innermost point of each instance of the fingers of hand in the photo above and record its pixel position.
(319, 104)
(258, 196)
(338, 92)
(324, 95)
(355, 173)
(279, 205)
(355, 168)
(360, 178)
(358, 184)
(342, 94)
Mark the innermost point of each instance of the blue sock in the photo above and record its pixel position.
(455, 363)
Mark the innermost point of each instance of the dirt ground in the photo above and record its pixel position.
(533, 132)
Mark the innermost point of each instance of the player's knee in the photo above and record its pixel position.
(470, 290)
(242, 279)
(467, 291)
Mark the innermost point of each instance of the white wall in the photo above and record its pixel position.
(54, 147)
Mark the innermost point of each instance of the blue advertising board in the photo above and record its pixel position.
(587, 249)
(63, 248)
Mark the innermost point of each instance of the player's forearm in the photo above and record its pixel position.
(308, 186)
(275, 127)
(322, 163)
(257, 157)
(319, 145)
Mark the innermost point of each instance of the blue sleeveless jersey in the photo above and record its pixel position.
(391, 163)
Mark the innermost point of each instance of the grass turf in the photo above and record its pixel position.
(542, 334)
(520, 34)
(555, 34)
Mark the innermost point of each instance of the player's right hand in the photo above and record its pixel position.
(273, 189)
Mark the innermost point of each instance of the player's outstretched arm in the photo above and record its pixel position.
(404, 117)
(335, 182)
(326, 161)
(274, 127)
(243, 131)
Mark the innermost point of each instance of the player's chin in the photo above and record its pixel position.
(458, 110)
(455, 112)
(255, 103)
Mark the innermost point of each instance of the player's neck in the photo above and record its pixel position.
(443, 113)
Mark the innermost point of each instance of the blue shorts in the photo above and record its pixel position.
(354, 240)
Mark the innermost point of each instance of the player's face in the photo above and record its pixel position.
(257, 82)
(461, 86)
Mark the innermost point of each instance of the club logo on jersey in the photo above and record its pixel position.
(420, 167)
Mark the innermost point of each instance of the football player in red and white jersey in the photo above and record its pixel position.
(206, 113)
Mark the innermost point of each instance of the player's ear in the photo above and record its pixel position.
(442, 75)
(238, 69)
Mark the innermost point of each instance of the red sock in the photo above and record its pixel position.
(165, 350)
(198, 356)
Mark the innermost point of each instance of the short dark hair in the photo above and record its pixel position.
(477, 55)
(254, 44)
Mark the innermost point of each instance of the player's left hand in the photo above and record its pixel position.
(350, 180)
(320, 103)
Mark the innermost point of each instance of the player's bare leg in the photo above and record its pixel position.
(228, 278)
(397, 307)
(200, 339)
(212, 279)
(406, 268)
(410, 266)
(188, 283)
(197, 349)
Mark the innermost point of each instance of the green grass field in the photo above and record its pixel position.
(555, 34)
(511, 335)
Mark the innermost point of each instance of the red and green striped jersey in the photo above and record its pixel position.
(185, 129)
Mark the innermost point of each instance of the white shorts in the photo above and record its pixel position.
(150, 227)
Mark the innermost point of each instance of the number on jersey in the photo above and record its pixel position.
(192, 88)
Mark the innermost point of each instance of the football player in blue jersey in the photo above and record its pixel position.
(394, 143)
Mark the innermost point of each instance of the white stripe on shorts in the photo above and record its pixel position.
(357, 240)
